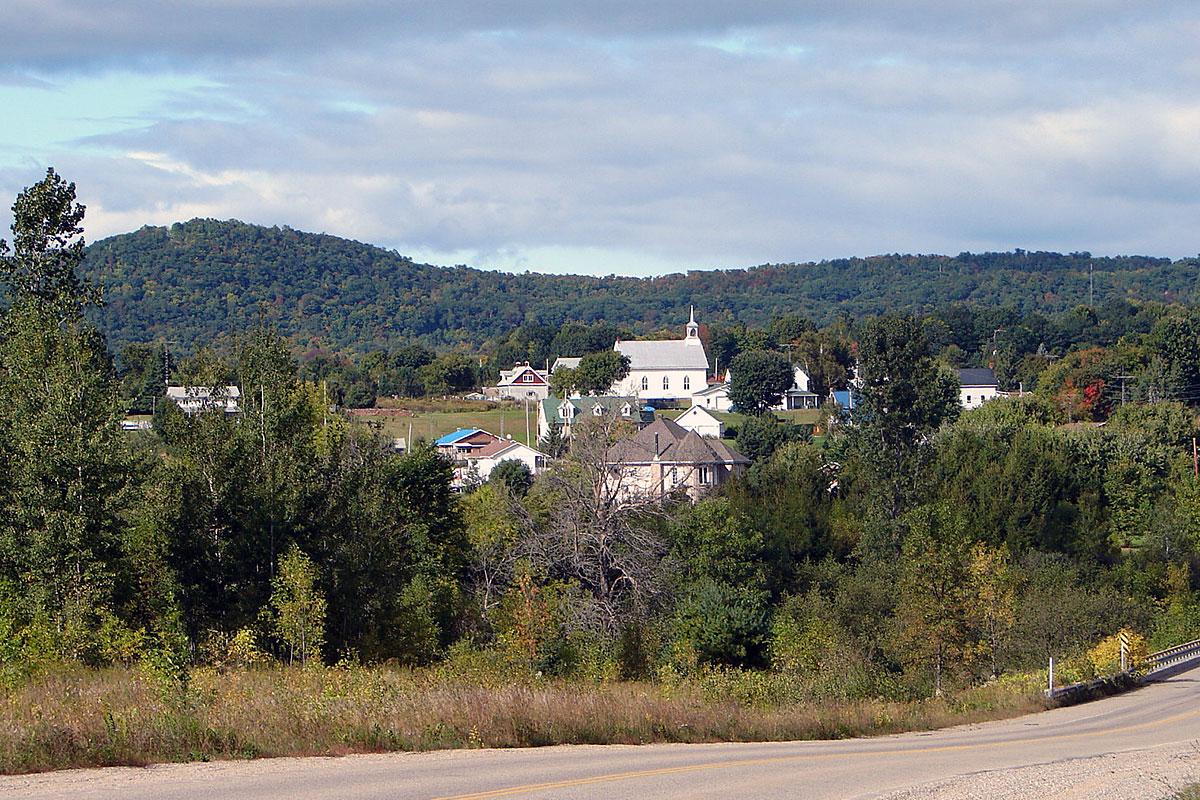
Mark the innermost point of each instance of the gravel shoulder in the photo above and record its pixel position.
(1132, 775)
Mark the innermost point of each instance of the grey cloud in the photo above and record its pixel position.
(825, 130)
(62, 34)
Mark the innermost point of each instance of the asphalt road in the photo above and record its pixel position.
(1075, 745)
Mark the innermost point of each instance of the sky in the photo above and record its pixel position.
(620, 137)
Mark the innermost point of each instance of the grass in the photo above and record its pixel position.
(430, 425)
(430, 422)
(77, 717)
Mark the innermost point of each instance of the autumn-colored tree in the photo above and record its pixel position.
(298, 606)
(933, 617)
(992, 600)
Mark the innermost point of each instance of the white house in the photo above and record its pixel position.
(665, 371)
(699, 420)
(481, 462)
(522, 382)
(976, 387)
(800, 395)
(714, 398)
(198, 399)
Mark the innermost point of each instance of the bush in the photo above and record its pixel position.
(1105, 657)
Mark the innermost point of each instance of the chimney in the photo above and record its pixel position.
(656, 450)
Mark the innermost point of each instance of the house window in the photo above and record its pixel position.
(704, 476)
(666, 383)
(597, 410)
(968, 399)
(526, 378)
(687, 382)
(645, 383)
(625, 410)
(564, 411)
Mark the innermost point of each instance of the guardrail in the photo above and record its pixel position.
(1172, 657)
(1156, 666)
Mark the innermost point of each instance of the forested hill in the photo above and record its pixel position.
(196, 282)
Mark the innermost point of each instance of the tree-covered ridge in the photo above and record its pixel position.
(195, 281)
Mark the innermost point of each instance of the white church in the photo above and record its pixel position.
(665, 371)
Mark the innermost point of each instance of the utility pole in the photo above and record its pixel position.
(1195, 459)
(1091, 287)
(1122, 379)
(167, 360)
(528, 443)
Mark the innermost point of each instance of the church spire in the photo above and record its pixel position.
(693, 330)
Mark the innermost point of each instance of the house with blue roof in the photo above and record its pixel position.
(463, 442)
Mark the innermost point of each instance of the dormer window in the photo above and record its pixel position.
(527, 378)
(597, 410)
(564, 411)
(626, 410)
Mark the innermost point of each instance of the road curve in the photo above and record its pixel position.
(1162, 717)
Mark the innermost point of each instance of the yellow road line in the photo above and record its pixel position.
(754, 762)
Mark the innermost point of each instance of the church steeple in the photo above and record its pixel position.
(693, 330)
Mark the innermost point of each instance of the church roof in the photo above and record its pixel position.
(665, 354)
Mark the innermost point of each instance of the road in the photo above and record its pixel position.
(1134, 745)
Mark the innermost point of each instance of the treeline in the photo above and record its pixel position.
(916, 548)
(194, 282)
(1085, 361)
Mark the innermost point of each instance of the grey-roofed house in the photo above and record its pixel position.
(663, 459)
(977, 386)
(665, 371)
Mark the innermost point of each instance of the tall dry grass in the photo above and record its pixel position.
(74, 717)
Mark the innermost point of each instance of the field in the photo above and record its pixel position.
(432, 420)
(79, 717)
(506, 420)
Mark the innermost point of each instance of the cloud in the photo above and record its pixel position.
(665, 135)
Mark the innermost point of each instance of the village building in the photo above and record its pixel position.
(977, 386)
(799, 396)
(480, 463)
(565, 413)
(702, 422)
(460, 443)
(716, 396)
(522, 382)
(665, 372)
(565, 362)
(198, 399)
(476, 452)
(664, 459)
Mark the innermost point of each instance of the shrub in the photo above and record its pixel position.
(1105, 657)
